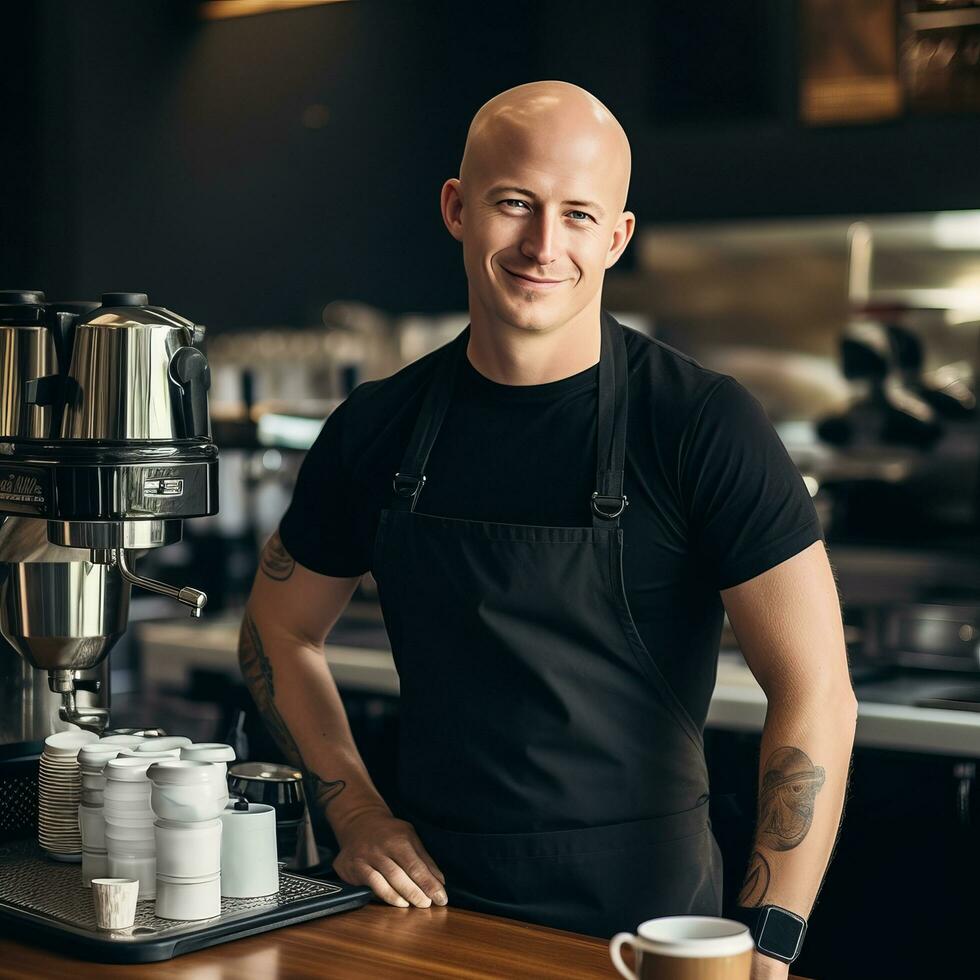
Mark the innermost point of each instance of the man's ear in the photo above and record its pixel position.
(622, 234)
(451, 202)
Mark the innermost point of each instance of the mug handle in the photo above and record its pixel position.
(615, 944)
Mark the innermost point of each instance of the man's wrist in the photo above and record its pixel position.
(778, 933)
(341, 814)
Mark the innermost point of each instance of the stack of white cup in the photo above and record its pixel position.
(164, 743)
(91, 820)
(122, 741)
(217, 753)
(187, 798)
(129, 836)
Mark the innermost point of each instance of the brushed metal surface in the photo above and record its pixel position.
(135, 535)
(120, 366)
(26, 353)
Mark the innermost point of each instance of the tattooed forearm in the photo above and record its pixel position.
(790, 784)
(324, 791)
(756, 881)
(276, 562)
(260, 680)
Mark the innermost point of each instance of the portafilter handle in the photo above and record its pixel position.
(194, 598)
(88, 717)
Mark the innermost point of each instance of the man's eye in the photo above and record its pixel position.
(515, 203)
(587, 217)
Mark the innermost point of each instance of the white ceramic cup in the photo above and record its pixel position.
(115, 902)
(151, 756)
(127, 808)
(141, 868)
(166, 743)
(188, 899)
(249, 858)
(131, 847)
(126, 792)
(137, 832)
(127, 768)
(123, 741)
(95, 864)
(686, 946)
(185, 790)
(91, 823)
(93, 757)
(218, 754)
(188, 850)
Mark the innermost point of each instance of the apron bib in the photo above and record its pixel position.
(529, 702)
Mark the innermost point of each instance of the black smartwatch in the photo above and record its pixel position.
(777, 932)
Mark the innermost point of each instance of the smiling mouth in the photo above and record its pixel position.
(533, 283)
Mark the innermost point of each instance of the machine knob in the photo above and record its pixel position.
(21, 297)
(125, 299)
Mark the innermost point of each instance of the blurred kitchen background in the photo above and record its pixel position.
(806, 184)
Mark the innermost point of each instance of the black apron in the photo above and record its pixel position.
(529, 701)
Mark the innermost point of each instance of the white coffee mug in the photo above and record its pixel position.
(249, 856)
(686, 946)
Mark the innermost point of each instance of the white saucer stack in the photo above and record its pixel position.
(59, 793)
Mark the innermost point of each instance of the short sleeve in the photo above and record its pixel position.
(315, 529)
(749, 509)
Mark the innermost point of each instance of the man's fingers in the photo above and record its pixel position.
(411, 857)
(377, 882)
(422, 875)
(427, 857)
(405, 885)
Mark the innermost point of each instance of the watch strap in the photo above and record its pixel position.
(777, 932)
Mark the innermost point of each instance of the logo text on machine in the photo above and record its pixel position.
(163, 488)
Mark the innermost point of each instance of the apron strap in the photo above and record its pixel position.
(410, 478)
(608, 501)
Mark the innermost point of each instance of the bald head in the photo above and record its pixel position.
(544, 119)
(539, 210)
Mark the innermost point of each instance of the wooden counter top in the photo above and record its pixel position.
(374, 941)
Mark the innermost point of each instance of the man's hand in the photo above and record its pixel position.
(384, 853)
(767, 968)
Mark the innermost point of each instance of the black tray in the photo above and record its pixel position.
(45, 901)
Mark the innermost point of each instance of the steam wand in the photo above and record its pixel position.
(194, 598)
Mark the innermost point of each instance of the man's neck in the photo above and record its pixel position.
(511, 355)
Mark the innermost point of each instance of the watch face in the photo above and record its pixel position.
(780, 933)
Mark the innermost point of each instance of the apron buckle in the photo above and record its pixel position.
(609, 507)
(406, 485)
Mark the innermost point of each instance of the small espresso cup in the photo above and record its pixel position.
(686, 947)
(115, 902)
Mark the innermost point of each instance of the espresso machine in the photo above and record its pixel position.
(105, 449)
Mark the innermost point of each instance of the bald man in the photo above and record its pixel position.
(555, 509)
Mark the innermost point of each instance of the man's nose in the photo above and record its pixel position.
(541, 241)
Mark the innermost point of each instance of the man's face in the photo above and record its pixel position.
(540, 221)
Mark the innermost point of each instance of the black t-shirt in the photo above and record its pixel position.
(714, 499)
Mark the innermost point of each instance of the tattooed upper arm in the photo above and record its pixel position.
(276, 563)
(291, 601)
